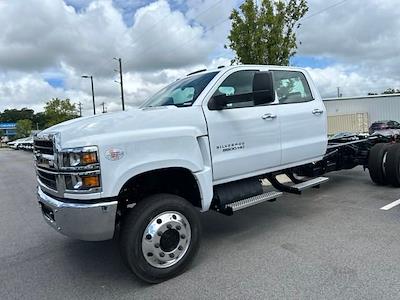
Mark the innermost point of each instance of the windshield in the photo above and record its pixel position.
(182, 92)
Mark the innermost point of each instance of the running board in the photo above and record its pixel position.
(299, 186)
(310, 183)
(244, 203)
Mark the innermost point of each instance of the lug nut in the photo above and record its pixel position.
(169, 226)
(149, 254)
(148, 237)
(159, 221)
(157, 245)
(178, 227)
(171, 255)
(174, 217)
(180, 248)
(162, 254)
(182, 236)
(159, 233)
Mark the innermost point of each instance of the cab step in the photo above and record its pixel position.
(299, 186)
(244, 203)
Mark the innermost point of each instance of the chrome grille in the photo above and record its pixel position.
(48, 179)
(44, 146)
(45, 160)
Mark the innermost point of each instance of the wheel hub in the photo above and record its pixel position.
(166, 239)
(169, 240)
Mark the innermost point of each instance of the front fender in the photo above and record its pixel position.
(150, 166)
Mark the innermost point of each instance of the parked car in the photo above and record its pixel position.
(17, 143)
(27, 144)
(383, 125)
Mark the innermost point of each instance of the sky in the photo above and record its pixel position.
(47, 45)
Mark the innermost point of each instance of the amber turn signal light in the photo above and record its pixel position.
(89, 158)
(91, 181)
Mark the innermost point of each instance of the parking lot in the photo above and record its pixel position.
(331, 243)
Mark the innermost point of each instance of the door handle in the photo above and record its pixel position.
(317, 111)
(268, 116)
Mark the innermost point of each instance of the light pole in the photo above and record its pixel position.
(91, 80)
(120, 82)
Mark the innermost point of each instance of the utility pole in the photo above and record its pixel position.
(120, 81)
(338, 92)
(80, 109)
(91, 80)
(104, 108)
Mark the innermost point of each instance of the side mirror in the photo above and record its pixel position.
(217, 102)
(263, 89)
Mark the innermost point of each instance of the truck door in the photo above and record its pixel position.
(244, 138)
(302, 116)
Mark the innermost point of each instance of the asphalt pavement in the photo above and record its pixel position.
(329, 243)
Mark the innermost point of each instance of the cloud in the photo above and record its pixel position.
(364, 35)
(47, 42)
(350, 82)
(57, 40)
(88, 40)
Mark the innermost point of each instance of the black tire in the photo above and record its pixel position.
(132, 232)
(376, 165)
(392, 165)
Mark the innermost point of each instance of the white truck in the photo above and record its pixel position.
(204, 142)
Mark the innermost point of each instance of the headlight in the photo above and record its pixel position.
(80, 157)
(81, 169)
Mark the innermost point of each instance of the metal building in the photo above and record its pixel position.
(356, 114)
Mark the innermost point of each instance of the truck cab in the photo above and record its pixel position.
(203, 142)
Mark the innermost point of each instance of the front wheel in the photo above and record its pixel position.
(160, 236)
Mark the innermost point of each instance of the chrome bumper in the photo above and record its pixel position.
(89, 222)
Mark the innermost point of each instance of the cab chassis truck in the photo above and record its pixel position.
(204, 142)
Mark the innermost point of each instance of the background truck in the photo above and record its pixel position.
(204, 142)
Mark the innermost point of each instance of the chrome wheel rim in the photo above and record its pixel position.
(166, 239)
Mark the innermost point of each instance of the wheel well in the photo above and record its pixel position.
(177, 181)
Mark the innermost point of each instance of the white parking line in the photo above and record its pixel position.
(391, 205)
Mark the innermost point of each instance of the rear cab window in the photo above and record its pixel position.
(291, 87)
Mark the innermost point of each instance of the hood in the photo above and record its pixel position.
(131, 120)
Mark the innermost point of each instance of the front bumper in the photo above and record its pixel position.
(89, 222)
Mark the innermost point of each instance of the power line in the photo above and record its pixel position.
(323, 10)
(155, 24)
(188, 41)
(152, 45)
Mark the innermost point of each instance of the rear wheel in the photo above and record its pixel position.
(392, 165)
(160, 237)
(376, 163)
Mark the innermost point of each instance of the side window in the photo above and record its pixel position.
(238, 85)
(291, 87)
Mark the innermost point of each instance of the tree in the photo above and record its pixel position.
(13, 115)
(265, 34)
(57, 111)
(24, 128)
